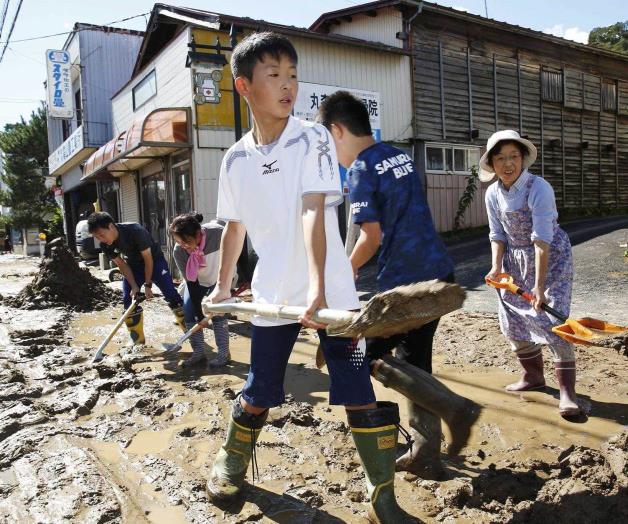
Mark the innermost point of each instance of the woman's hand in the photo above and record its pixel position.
(492, 274)
(539, 298)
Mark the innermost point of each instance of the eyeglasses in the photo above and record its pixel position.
(501, 159)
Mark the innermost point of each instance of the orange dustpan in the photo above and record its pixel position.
(587, 331)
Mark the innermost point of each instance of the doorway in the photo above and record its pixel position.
(154, 207)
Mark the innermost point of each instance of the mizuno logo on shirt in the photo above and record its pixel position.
(269, 168)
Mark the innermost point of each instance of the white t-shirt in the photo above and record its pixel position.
(265, 192)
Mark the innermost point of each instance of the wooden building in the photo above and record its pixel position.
(472, 76)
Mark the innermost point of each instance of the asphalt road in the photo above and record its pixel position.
(600, 286)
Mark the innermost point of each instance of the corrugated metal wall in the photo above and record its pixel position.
(129, 209)
(362, 68)
(206, 173)
(107, 60)
(381, 28)
(174, 85)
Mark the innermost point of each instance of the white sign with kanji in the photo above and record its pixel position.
(310, 97)
(60, 96)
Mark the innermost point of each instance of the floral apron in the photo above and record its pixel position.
(518, 320)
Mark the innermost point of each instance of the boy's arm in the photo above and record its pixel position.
(366, 246)
(231, 244)
(127, 274)
(313, 216)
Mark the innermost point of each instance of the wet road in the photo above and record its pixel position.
(601, 270)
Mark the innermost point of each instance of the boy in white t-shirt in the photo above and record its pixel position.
(280, 184)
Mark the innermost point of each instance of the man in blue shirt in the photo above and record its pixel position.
(389, 205)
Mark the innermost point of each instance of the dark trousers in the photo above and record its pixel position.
(161, 278)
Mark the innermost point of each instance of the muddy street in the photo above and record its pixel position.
(130, 439)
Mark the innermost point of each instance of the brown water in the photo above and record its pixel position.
(150, 441)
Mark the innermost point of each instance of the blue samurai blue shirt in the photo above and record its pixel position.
(384, 187)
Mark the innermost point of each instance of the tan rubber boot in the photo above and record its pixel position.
(459, 413)
(423, 456)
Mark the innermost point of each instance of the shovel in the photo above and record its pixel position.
(587, 331)
(397, 310)
(99, 352)
(171, 348)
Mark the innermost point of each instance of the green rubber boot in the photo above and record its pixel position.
(135, 325)
(232, 461)
(375, 435)
(179, 316)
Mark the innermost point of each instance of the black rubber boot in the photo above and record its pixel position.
(459, 413)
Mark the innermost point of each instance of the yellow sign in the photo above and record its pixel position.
(213, 86)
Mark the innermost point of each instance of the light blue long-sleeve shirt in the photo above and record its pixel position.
(541, 202)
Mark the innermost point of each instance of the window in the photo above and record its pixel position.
(552, 85)
(609, 96)
(78, 108)
(451, 159)
(144, 90)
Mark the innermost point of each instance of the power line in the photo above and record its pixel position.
(5, 8)
(17, 12)
(74, 31)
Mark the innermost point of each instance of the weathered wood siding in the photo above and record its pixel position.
(466, 79)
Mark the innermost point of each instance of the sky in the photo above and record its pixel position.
(22, 69)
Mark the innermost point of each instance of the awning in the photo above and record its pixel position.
(160, 133)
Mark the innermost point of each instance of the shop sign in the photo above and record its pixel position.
(59, 86)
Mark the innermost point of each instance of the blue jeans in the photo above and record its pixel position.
(350, 377)
(190, 309)
(161, 278)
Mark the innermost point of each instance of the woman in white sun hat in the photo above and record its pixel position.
(527, 242)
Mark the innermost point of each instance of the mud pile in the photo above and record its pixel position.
(60, 282)
(583, 485)
(618, 342)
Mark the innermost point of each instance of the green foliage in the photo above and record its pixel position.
(614, 37)
(466, 198)
(54, 226)
(25, 146)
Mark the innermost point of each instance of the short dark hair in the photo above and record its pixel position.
(255, 47)
(344, 108)
(186, 225)
(498, 147)
(100, 220)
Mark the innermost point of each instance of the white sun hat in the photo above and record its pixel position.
(486, 171)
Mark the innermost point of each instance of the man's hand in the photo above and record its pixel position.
(316, 300)
(134, 291)
(148, 291)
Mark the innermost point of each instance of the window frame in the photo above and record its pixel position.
(452, 147)
(545, 86)
(603, 99)
(142, 82)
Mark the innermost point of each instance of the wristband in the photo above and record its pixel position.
(148, 284)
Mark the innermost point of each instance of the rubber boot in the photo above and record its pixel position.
(135, 325)
(566, 377)
(221, 335)
(532, 378)
(459, 413)
(232, 461)
(423, 456)
(375, 434)
(198, 348)
(179, 316)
